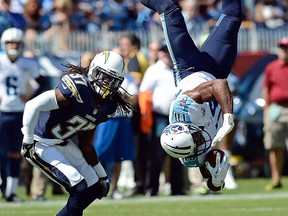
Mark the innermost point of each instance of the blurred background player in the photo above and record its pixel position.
(17, 83)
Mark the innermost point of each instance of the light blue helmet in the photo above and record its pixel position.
(181, 140)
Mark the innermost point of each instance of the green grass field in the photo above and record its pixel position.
(250, 199)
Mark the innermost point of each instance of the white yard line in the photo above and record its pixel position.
(219, 197)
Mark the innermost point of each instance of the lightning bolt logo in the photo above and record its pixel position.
(72, 87)
(106, 53)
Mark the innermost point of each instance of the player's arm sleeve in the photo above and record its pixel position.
(43, 102)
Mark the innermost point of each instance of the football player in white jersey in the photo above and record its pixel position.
(202, 113)
(59, 127)
(17, 75)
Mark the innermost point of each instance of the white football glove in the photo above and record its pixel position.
(227, 126)
(218, 173)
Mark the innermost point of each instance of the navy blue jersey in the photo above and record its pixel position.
(83, 113)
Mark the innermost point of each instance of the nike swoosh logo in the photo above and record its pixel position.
(64, 86)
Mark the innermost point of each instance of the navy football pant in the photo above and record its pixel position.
(219, 51)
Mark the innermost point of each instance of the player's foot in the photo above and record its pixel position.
(13, 198)
(273, 185)
(38, 197)
(117, 195)
(135, 191)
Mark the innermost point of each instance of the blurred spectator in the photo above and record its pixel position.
(212, 11)
(34, 18)
(143, 16)
(47, 6)
(116, 14)
(93, 21)
(78, 20)
(59, 31)
(195, 22)
(153, 51)
(154, 23)
(16, 6)
(157, 91)
(275, 95)
(36, 22)
(269, 14)
(17, 83)
(136, 64)
(136, 61)
(10, 19)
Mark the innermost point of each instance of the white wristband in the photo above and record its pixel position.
(100, 170)
(28, 135)
(228, 118)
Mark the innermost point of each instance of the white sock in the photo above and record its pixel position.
(11, 186)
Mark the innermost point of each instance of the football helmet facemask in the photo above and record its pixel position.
(14, 35)
(106, 73)
(181, 140)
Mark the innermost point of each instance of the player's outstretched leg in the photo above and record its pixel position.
(221, 43)
(159, 6)
(232, 7)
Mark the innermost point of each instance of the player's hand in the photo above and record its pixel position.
(105, 187)
(227, 126)
(218, 173)
(27, 150)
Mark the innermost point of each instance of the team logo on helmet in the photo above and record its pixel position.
(177, 128)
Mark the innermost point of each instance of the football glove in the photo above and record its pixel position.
(104, 187)
(227, 126)
(27, 150)
(218, 173)
(103, 180)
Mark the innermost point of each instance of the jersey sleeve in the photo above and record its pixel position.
(185, 109)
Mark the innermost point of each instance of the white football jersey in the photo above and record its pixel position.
(13, 79)
(207, 116)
